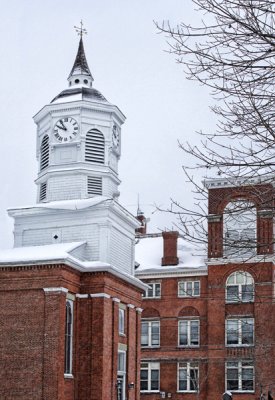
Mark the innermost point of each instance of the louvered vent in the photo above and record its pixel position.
(94, 186)
(44, 154)
(94, 148)
(43, 191)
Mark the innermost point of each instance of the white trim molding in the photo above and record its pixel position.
(139, 310)
(116, 300)
(55, 289)
(130, 305)
(81, 296)
(103, 295)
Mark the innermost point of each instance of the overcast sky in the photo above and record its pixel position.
(128, 61)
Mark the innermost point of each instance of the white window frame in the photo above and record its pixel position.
(150, 324)
(240, 229)
(122, 372)
(188, 366)
(154, 286)
(241, 279)
(149, 367)
(239, 366)
(188, 289)
(68, 363)
(239, 322)
(121, 321)
(189, 323)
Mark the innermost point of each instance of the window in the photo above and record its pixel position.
(188, 288)
(188, 375)
(240, 376)
(189, 333)
(150, 332)
(240, 332)
(149, 377)
(121, 375)
(239, 288)
(154, 290)
(121, 321)
(95, 147)
(240, 229)
(44, 153)
(68, 337)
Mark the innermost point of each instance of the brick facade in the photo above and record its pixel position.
(32, 315)
(214, 355)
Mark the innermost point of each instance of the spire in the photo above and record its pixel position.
(80, 73)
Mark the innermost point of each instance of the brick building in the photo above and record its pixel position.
(69, 300)
(208, 324)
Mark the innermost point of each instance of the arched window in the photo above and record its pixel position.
(239, 227)
(240, 287)
(68, 337)
(44, 153)
(95, 147)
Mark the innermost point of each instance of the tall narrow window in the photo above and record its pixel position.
(121, 321)
(44, 153)
(68, 337)
(121, 375)
(95, 147)
(239, 221)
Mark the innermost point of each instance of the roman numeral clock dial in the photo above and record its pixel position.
(65, 129)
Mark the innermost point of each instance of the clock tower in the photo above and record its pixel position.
(78, 140)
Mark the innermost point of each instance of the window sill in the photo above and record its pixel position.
(191, 346)
(239, 346)
(149, 391)
(187, 391)
(68, 376)
(241, 391)
(122, 334)
(151, 298)
(150, 347)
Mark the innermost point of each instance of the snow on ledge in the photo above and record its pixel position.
(68, 204)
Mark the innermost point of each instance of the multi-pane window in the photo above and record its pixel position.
(189, 332)
(188, 288)
(240, 376)
(121, 321)
(149, 377)
(154, 290)
(121, 375)
(240, 331)
(68, 337)
(188, 377)
(239, 221)
(150, 333)
(240, 288)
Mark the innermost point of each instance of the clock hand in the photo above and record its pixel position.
(61, 127)
(62, 123)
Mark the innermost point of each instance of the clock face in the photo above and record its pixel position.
(115, 136)
(65, 129)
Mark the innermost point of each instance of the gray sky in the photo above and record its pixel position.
(126, 56)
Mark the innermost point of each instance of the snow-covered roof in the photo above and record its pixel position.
(61, 253)
(149, 252)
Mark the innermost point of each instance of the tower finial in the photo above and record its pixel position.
(81, 31)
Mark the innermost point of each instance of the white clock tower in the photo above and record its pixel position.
(78, 140)
(78, 149)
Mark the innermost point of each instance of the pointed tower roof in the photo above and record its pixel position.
(80, 66)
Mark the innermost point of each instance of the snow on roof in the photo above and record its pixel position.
(49, 252)
(149, 252)
(70, 204)
(61, 253)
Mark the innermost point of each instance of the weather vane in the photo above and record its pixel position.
(80, 31)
